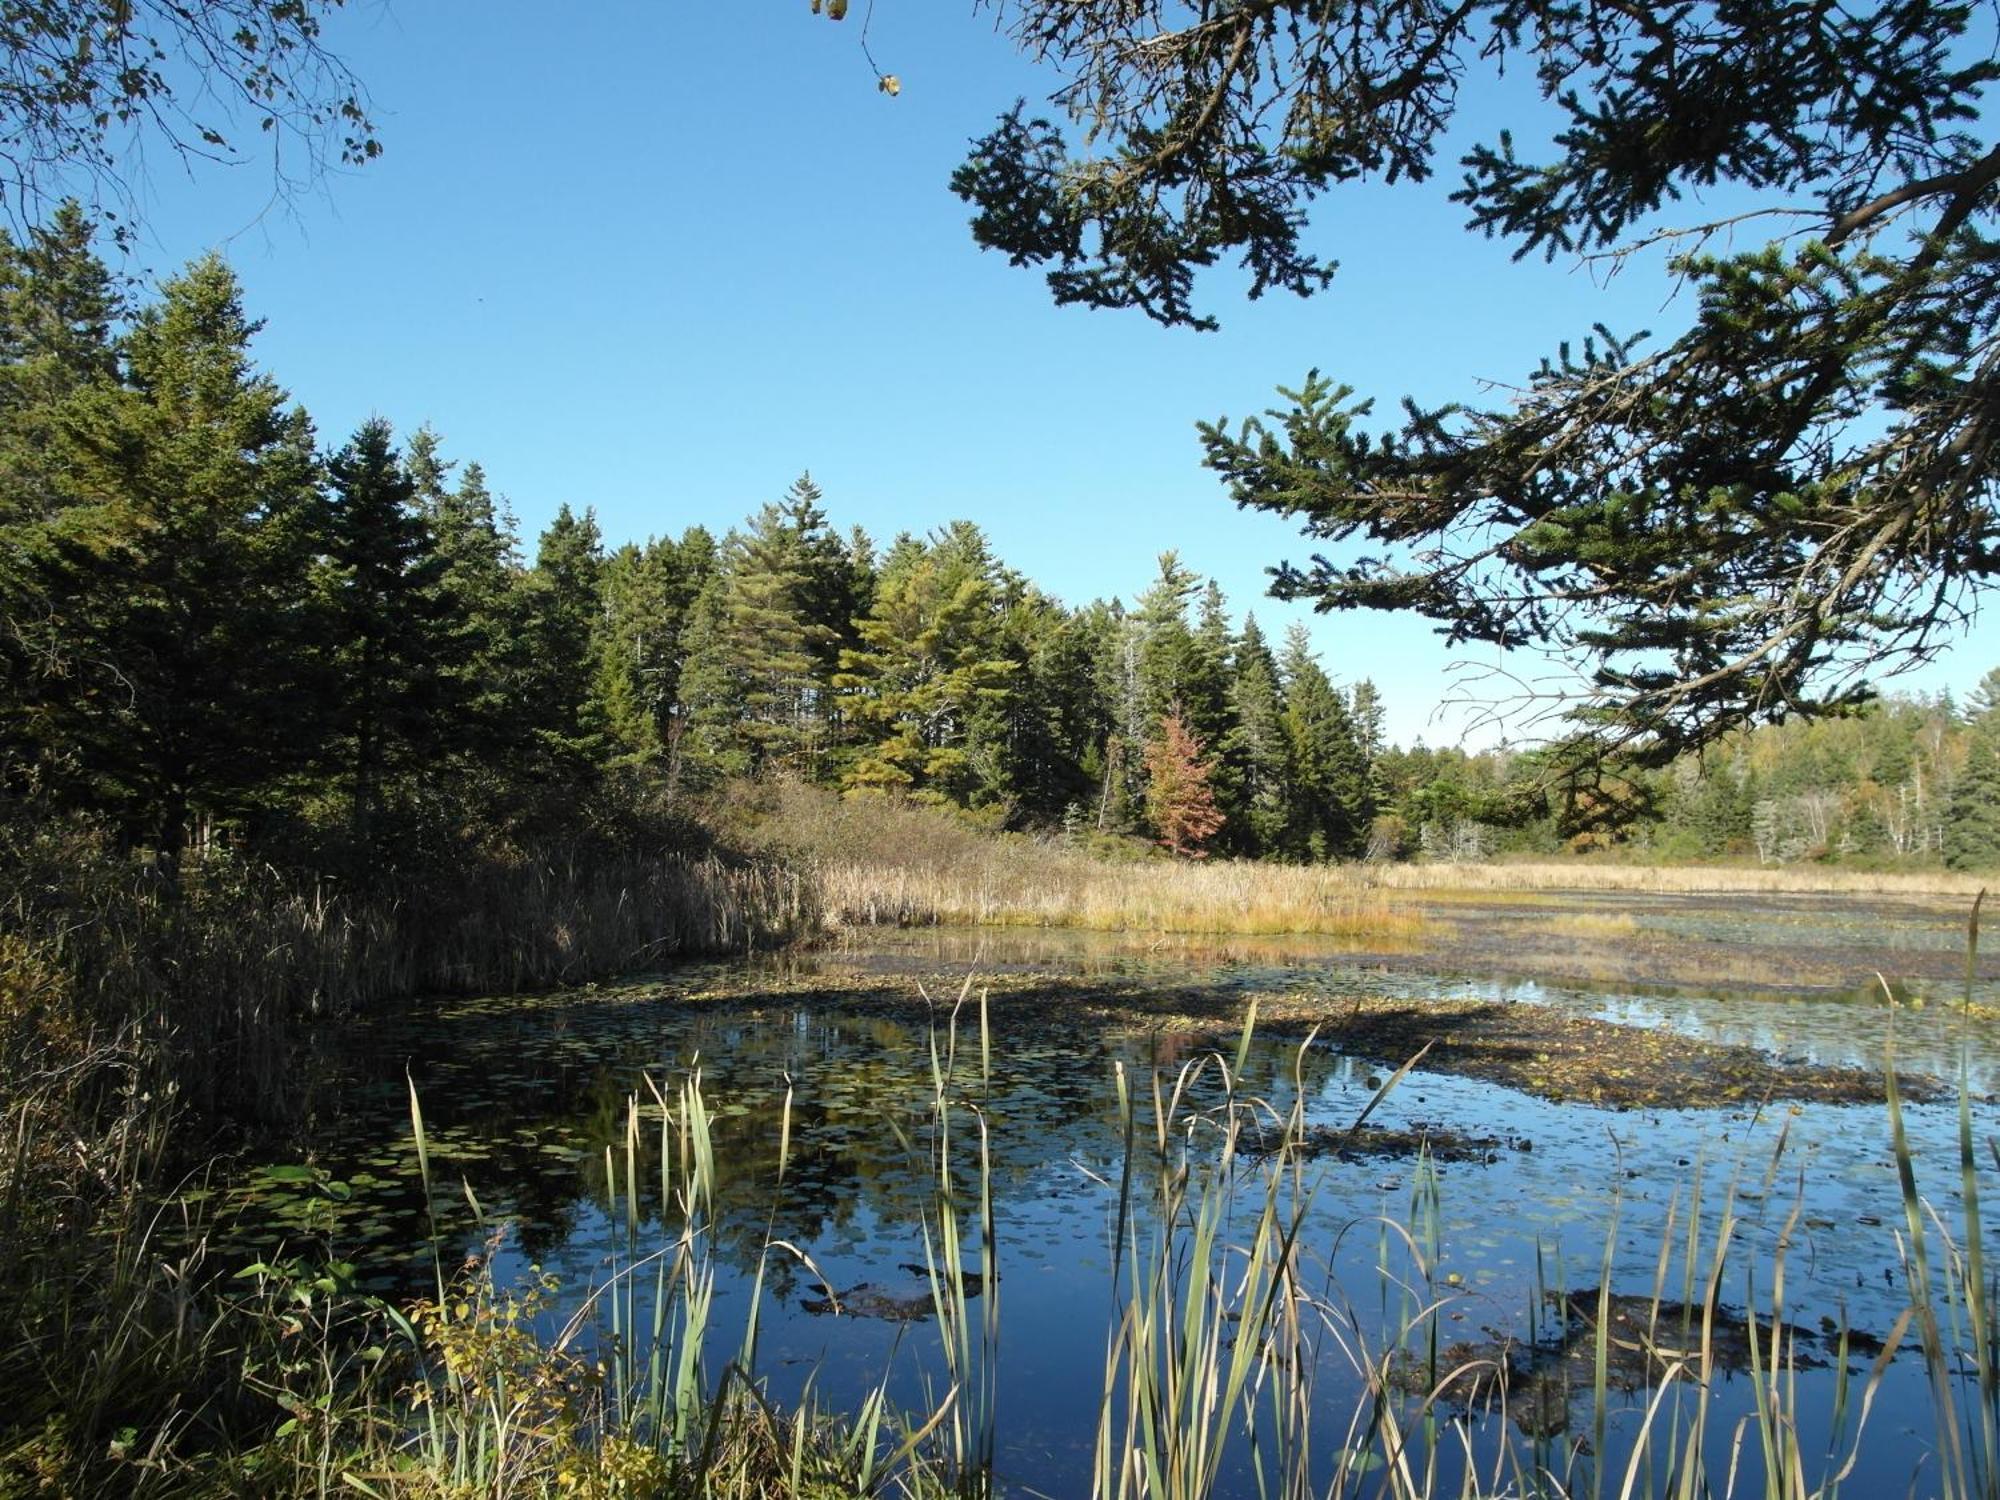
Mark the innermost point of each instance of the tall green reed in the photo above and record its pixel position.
(1961, 1348)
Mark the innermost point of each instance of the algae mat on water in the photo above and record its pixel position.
(1536, 1049)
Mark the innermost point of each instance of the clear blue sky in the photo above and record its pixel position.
(659, 259)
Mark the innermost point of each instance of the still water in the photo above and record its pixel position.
(524, 1096)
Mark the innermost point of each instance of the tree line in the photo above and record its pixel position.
(1903, 780)
(221, 632)
(219, 629)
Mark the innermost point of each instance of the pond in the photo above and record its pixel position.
(1568, 1120)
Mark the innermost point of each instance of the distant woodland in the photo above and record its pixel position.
(226, 634)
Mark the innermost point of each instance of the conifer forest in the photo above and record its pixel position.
(192, 562)
(761, 1004)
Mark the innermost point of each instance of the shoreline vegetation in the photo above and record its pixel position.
(879, 862)
(1221, 1323)
(147, 1024)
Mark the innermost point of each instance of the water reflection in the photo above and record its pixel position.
(527, 1103)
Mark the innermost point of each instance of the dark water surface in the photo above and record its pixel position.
(524, 1096)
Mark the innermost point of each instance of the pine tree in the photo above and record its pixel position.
(833, 575)
(1179, 799)
(705, 746)
(559, 611)
(1120, 643)
(632, 652)
(754, 693)
(932, 656)
(640, 642)
(1257, 746)
(1972, 816)
(487, 591)
(57, 307)
(1330, 804)
(401, 693)
(1720, 815)
(1178, 665)
(183, 570)
(1055, 724)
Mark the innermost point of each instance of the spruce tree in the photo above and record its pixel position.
(1257, 747)
(57, 307)
(182, 567)
(1972, 819)
(1720, 816)
(1971, 833)
(632, 652)
(1178, 666)
(400, 647)
(1055, 723)
(754, 691)
(640, 642)
(1329, 776)
(560, 604)
(932, 657)
(1120, 640)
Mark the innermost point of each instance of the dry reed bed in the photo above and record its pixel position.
(884, 861)
(1017, 882)
(1574, 875)
(216, 975)
(1045, 887)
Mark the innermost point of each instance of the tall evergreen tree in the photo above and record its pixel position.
(182, 568)
(57, 307)
(1054, 722)
(754, 689)
(1258, 748)
(1329, 776)
(1972, 822)
(1177, 664)
(560, 605)
(932, 655)
(648, 593)
(399, 640)
(633, 651)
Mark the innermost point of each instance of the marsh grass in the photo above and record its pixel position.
(636, 1391)
(144, 1024)
(1593, 926)
(1045, 886)
(880, 862)
(1527, 876)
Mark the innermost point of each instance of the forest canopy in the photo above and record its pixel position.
(186, 561)
(1741, 522)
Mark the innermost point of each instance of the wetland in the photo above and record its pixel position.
(1603, 1092)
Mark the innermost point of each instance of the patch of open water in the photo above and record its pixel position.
(524, 1096)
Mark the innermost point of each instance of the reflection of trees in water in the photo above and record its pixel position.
(864, 1137)
(512, 1080)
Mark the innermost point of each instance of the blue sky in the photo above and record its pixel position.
(659, 259)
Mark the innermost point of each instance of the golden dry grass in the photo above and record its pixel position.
(1606, 926)
(880, 862)
(884, 862)
(1048, 887)
(1580, 875)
